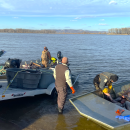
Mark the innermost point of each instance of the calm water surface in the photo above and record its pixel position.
(88, 55)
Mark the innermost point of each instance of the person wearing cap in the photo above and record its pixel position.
(104, 79)
(46, 57)
(62, 78)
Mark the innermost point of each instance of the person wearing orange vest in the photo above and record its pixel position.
(62, 77)
(46, 57)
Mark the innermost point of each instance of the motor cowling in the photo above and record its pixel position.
(12, 63)
(59, 56)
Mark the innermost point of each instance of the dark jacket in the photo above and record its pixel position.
(104, 79)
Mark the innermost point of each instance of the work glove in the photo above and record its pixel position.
(49, 61)
(73, 90)
(119, 112)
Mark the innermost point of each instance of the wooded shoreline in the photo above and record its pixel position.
(48, 31)
(113, 31)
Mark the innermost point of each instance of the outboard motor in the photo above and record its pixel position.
(59, 56)
(12, 63)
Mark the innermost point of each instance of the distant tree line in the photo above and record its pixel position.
(82, 32)
(20, 30)
(119, 31)
(26, 31)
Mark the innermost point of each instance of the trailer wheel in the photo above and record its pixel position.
(54, 94)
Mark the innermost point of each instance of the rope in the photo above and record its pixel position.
(2, 71)
(76, 79)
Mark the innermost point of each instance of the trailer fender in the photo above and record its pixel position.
(50, 88)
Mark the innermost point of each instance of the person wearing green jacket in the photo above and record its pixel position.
(104, 79)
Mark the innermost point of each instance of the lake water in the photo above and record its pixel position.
(88, 56)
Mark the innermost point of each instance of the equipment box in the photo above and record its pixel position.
(46, 78)
(23, 78)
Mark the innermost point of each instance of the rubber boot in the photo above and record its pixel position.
(60, 110)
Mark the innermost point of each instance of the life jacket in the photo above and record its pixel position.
(44, 56)
(108, 90)
(53, 59)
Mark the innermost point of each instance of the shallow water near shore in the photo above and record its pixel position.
(88, 55)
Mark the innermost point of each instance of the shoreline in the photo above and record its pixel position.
(117, 34)
(67, 33)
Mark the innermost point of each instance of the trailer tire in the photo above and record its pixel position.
(54, 94)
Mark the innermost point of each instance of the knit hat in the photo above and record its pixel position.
(114, 78)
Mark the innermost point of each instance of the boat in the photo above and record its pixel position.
(100, 110)
(28, 80)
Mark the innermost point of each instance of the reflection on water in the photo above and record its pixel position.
(88, 55)
(86, 124)
(61, 123)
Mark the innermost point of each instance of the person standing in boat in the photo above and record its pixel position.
(62, 78)
(104, 79)
(46, 57)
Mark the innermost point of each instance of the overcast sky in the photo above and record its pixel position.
(98, 15)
